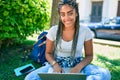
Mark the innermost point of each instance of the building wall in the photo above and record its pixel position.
(109, 9)
(84, 9)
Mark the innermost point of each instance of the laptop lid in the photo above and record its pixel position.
(62, 76)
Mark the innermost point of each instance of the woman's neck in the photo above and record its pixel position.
(68, 28)
(68, 33)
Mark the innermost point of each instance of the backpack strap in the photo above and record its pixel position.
(40, 39)
(42, 36)
(42, 43)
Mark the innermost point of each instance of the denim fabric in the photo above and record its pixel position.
(68, 62)
(93, 73)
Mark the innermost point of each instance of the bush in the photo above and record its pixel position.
(21, 18)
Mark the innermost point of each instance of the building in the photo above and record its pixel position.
(98, 10)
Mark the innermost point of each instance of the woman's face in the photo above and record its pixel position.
(68, 15)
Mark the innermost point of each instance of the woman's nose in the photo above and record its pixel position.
(66, 16)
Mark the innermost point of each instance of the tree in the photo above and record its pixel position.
(54, 13)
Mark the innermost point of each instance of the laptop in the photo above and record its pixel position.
(62, 76)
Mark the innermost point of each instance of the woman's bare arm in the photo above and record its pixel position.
(50, 56)
(49, 50)
(88, 47)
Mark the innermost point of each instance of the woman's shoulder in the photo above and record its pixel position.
(54, 27)
(52, 33)
(84, 28)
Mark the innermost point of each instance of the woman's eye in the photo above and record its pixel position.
(62, 15)
(70, 14)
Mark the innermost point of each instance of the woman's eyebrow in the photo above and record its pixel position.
(68, 11)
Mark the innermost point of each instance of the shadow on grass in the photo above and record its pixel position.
(112, 64)
(13, 57)
(6, 52)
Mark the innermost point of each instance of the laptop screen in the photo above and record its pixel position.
(62, 76)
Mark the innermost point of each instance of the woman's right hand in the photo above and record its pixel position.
(57, 68)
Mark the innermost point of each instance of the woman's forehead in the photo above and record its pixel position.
(66, 8)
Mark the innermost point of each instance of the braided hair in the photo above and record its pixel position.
(74, 5)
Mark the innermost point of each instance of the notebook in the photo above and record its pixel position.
(62, 76)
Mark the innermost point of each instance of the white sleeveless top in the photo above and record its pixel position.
(64, 47)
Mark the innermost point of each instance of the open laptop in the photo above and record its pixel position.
(62, 76)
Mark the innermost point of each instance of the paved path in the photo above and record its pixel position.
(107, 42)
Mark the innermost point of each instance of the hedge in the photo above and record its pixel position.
(21, 18)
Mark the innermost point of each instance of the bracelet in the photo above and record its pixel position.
(53, 63)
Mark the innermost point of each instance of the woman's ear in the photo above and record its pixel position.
(60, 18)
(76, 14)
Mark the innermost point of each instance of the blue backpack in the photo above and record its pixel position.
(38, 52)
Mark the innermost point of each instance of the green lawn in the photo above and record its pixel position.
(108, 57)
(12, 57)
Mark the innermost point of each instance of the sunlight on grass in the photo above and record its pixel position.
(108, 51)
(33, 37)
(109, 58)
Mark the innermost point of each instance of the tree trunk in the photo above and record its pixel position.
(54, 13)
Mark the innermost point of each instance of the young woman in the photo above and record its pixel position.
(64, 46)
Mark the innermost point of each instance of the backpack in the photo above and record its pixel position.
(38, 51)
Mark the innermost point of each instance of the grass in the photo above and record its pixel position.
(108, 57)
(12, 57)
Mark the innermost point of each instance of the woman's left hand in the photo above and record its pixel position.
(75, 70)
